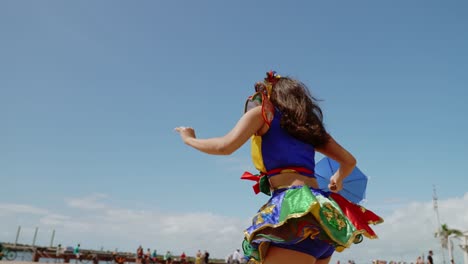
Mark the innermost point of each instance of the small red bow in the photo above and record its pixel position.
(272, 77)
(251, 177)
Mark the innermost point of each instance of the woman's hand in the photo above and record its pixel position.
(336, 184)
(347, 163)
(185, 133)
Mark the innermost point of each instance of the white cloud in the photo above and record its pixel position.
(407, 232)
(53, 219)
(89, 202)
(9, 208)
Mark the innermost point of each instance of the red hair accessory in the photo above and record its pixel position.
(266, 86)
(272, 77)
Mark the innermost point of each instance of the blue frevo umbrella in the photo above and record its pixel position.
(354, 186)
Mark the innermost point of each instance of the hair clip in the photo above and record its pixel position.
(266, 86)
(272, 77)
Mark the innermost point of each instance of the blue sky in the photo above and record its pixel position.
(90, 93)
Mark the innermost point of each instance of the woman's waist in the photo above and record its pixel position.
(286, 179)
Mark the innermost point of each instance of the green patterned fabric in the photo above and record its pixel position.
(296, 213)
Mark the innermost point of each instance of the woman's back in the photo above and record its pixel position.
(286, 160)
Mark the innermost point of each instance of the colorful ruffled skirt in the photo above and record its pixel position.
(295, 213)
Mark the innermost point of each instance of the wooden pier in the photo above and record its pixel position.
(86, 256)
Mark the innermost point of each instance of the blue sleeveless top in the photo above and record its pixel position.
(280, 150)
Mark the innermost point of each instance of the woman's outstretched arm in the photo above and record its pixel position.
(249, 124)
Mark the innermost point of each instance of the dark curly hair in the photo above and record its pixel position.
(302, 117)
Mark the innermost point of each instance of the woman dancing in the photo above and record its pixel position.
(299, 223)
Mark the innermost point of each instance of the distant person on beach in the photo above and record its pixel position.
(228, 259)
(1, 251)
(419, 260)
(148, 256)
(206, 257)
(300, 222)
(429, 258)
(236, 257)
(198, 257)
(139, 255)
(183, 257)
(76, 251)
(154, 255)
(168, 257)
(58, 252)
